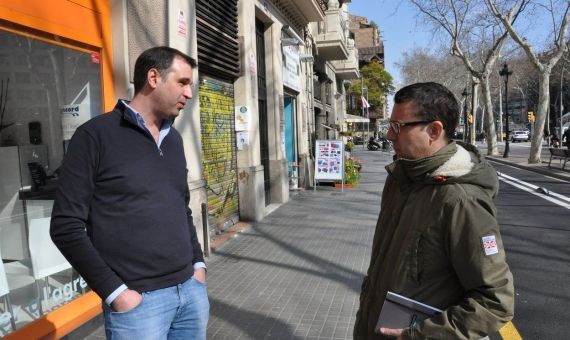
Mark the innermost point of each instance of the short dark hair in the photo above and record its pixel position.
(160, 58)
(433, 102)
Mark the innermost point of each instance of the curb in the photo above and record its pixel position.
(541, 171)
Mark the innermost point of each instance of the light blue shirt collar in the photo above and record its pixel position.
(164, 128)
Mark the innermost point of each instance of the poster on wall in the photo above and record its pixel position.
(242, 139)
(72, 116)
(242, 118)
(329, 160)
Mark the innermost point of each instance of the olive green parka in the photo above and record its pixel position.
(429, 245)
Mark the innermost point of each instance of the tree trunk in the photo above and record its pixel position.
(543, 100)
(489, 120)
(474, 105)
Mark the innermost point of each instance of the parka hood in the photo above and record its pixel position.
(455, 163)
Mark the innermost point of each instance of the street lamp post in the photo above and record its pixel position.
(465, 94)
(561, 98)
(505, 73)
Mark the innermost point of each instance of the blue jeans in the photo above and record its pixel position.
(178, 312)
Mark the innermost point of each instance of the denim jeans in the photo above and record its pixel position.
(178, 312)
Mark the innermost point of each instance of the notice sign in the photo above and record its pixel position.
(182, 30)
(242, 118)
(329, 160)
(72, 116)
(291, 68)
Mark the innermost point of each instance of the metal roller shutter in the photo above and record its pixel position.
(217, 32)
(218, 145)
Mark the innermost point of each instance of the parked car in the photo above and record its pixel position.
(520, 136)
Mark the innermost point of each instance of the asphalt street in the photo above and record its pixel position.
(536, 234)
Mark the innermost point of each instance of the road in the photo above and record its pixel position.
(536, 234)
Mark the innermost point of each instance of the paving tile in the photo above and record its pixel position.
(297, 273)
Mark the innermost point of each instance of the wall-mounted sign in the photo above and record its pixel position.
(291, 68)
(182, 23)
(252, 63)
(242, 139)
(242, 114)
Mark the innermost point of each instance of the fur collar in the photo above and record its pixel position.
(458, 165)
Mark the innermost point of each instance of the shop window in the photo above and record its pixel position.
(46, 91)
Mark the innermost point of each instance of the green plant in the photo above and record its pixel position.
(349, 146)
(352, 168)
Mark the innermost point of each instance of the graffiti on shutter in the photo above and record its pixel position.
(218, 144)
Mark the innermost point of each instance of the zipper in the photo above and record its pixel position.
(148, 134)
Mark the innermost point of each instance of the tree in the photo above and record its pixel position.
(474, 38)
(378, 81)
(543, 63)
(419, 65)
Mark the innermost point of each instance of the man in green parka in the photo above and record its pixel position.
(437, 239)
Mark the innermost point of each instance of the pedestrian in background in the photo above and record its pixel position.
(121, 215)
(437, 239)
(567, 137)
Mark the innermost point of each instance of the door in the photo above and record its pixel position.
(290, 145)
(262, 105)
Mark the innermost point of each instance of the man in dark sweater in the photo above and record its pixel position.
(121, 215)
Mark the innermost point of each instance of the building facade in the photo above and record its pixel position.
(271, 80)
(55, 73)
(370, 47)
(336, 63)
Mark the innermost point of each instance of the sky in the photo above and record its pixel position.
(399, 32)
(397, 22)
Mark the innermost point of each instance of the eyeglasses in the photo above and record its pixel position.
(396, 126)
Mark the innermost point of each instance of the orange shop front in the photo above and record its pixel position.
(55, 73)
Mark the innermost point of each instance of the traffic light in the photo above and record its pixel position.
(530, 115)
(470, 118)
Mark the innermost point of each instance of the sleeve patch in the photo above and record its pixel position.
(490, 245)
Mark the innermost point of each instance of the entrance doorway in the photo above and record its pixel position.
(290, 144)
(262, 105)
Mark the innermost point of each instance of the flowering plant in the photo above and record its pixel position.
(352, 168)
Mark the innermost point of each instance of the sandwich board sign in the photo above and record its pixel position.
(329, 161)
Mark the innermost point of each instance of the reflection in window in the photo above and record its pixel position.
(46, 92)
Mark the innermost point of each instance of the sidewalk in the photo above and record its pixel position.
(520, 160)
(297, 274)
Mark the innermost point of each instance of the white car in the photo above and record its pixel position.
(520, 136)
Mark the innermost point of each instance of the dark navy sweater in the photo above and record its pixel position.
(121, 210)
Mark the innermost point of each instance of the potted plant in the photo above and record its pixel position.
(352, 168)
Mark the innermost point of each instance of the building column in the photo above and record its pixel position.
(275, 116)
(250, 170)
(188, 123)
